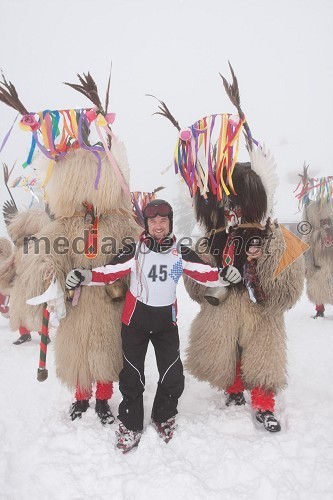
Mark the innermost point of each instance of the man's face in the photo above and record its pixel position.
(159, 227)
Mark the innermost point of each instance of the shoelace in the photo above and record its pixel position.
(270, 420)
(169, 425)
(124, 435)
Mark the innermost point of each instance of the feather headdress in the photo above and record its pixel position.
(263, 164)
(57, 132)
(139, 201)
(206, 152)
(309, 189)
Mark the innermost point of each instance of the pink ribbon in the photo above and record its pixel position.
(112, 160)
(7, 135)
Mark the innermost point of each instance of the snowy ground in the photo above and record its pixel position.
(217, 453)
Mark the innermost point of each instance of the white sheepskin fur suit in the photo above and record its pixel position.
(21, 227)
(319, 258)
(88, 342)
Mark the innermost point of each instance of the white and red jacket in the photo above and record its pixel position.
(154, 269)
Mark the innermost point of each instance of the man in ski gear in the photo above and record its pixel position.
(155, 264)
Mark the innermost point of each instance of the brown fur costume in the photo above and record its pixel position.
(319, 258)
(239, 328)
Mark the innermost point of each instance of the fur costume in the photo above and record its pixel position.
(88, 344)
(319, 259)
(21, 227)
(6, 257)
(5, 252)
(241, 342)
(317, 197)
(241, 329)
(87, 194)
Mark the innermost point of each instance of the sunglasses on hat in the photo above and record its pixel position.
(152, 211)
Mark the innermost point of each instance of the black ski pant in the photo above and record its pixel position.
(132, 379)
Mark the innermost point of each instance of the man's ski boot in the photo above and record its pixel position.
(235, 399)
(127, 439)
(78, 408)
(165, 429)
(22, 339)
(103, 410)
(268, 420)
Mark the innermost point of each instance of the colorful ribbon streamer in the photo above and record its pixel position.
(139, 201)
(310, 189)
(59, 131)
(206, 153)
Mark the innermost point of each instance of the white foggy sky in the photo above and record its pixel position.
(281, 52)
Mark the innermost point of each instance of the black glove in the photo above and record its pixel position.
(230, 274)
(77, 277)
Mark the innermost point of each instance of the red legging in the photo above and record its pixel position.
(23, 330)
(103, 391)
(260, 398)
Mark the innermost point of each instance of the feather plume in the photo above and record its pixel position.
(120, 155)
(9, 96)
(156, 190)
(108, 91)
(263, 163)
(88, 88)
(305, 175)
(232, 91)
(7, 173)
(164, 111)
(9, 210)
(6, 176)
